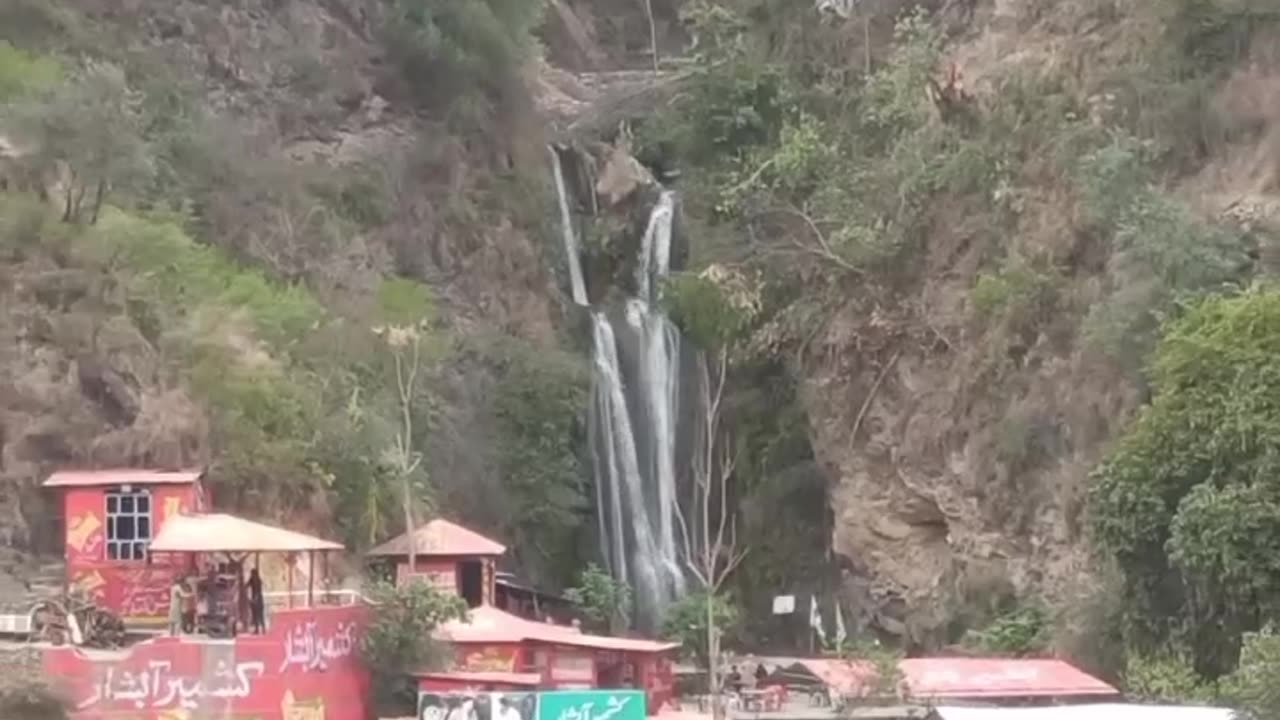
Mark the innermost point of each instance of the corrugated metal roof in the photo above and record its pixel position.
(122, 476)
(985, 677)
(441, 537)
(227, 533)
(958, 678)
(489, 625)
(1101, 711)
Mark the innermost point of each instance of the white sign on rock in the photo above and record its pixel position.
(784, 604)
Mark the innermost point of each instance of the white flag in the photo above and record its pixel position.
(815, 619)
(840, 635)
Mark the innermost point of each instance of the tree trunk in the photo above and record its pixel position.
(98, 197)
(653, 33)
(66, 208)
(409, 528)
(713, 660)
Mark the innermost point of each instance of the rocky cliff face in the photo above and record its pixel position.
(958, 451)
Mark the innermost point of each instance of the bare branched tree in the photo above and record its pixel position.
(405, 344)
(711, 545)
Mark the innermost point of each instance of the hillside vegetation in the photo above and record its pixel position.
(1005, 378)
(980, 244)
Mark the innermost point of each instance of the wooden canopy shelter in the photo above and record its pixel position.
(222, 533)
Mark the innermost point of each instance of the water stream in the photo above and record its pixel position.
(634, 416)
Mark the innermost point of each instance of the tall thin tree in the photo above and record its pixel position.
(711, 545)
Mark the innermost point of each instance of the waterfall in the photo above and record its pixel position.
(633, 419)
(568, 235)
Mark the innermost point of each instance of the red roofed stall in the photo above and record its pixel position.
(498, 650)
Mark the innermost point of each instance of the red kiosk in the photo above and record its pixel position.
(125, 525)
(497, 650)
(111, 517)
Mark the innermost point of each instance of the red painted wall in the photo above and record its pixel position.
(138, 591)
(305, 668)
(443, 573)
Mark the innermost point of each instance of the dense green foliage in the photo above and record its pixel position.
(540, 401)
(1186, 503)
(1024, 631)
(1162, 252)
(398, 639)
(461, 52)
(1166, 678)
(605, 602)
(686, 623)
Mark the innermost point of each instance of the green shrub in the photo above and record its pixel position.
(1252, 688)
(1021, 632)
(22, 72)
(686, 623)
(1166, 679)
(398, 640)
(605, 602)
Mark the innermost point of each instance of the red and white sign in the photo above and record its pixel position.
(307, 665)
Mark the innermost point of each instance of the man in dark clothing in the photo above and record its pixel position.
(734, 679)
(257, 606)
(761, 674)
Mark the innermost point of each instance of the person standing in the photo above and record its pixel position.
(257, 605)
(178, 596)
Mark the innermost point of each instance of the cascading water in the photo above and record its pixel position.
(568, 235)
(634, 415)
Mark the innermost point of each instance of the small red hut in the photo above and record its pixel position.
(448, 556)
(111, 517)
(495, 649)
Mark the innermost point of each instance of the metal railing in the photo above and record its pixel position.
(279, 599)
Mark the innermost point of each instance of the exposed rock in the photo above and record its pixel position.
(621, 175)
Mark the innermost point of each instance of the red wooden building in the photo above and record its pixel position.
(111, 517)
(498, 650)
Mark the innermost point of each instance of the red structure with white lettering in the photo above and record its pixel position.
(498, 650)
(111, 517)
(129, 533)
(306, 667)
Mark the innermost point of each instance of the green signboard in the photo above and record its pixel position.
(591, 705)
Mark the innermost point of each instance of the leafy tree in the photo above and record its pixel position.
(93, 124)
(1187, 501)
(686, 623)
(399, 637)
(606, 602)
